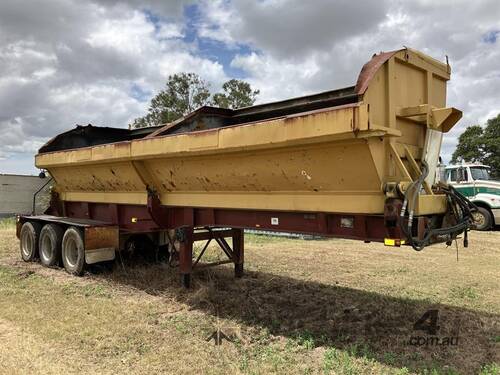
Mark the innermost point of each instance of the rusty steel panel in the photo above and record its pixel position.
(102, 237)
(369, 69)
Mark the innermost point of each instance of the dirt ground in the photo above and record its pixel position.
(303, 307)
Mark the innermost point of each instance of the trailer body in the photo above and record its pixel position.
(336, 163)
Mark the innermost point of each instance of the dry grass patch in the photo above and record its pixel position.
(321, 306)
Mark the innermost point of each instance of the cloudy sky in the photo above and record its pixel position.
(67, 62)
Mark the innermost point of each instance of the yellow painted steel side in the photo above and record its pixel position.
(334, 160)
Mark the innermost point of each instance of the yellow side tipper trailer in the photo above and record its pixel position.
(358, 162)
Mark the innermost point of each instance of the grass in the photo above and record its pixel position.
(304, 307)
(464, 292)
(491, 369)
(7, 223)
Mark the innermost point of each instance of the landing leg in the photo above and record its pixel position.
(185, 237)
(238, 252)
(186, 280)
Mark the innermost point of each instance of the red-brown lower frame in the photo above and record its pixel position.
(154, 217)
(142, 219)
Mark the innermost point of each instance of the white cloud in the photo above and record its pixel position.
(170, 30)
(77, 63)
(65, 61)
(130, 35)
(217, 20)
(272, 76)
(289, 28)
(304, 48)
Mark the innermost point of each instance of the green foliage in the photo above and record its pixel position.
(304, 339)
(236, 94)
(469, 145)
(490, 369)
(491, 139)
(480, 145)
(185, 92)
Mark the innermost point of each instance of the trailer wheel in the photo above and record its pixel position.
(50, 244)
(73, 251)
(482, 219)
(30, 232)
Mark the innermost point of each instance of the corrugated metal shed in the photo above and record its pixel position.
(16, 193)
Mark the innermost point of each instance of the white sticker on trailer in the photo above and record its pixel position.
(275, 221)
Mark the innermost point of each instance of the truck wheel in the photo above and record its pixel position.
(73, 251)
(30, 232)
(50, 244)
(482, 219)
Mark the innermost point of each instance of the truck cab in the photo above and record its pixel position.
(475, 182)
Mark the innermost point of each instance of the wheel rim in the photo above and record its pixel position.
(46, 250)
(71, 252)
(27, 244)
(479, 219)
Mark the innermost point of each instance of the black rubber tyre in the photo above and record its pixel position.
(49, 245)
(73, 251)
(482, 219)
(30, 232)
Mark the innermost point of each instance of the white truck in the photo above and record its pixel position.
(474, 181)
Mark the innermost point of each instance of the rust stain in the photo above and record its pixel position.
(370, 68)
(101, 237)
(123, 144)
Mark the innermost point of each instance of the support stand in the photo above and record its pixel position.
(187, 236)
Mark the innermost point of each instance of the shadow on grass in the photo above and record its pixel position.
(365, 324)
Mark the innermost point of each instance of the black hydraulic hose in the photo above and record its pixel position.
(452, 231)
(415, 189)
(456, 199)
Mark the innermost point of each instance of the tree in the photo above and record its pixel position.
(491, 145)
(469, 146)
(185, 92)
(236, 94)
(480, 145)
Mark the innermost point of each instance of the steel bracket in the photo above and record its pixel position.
(158, 213)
